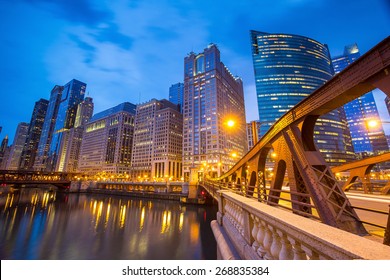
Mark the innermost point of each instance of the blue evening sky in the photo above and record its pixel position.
(134, 50)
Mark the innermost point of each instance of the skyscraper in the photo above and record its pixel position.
(4, 152)
(287, 69)
(48, 128)
(157, 147)
(107, 141)
(71, 139)
(17, 146)
(366, 140)
(214, 116)
(30, 147)
(72, 95)
(176, 92)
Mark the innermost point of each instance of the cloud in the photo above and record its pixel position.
(76, 11)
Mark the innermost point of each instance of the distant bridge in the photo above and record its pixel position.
(18, 178)
(361, 169)
(313, 189)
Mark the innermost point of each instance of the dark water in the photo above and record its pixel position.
(39, 224)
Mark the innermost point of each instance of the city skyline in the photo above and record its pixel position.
(135, 52)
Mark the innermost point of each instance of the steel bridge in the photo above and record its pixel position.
(18, 178)
(312, 187)
(361, 169)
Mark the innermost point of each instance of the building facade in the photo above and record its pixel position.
(176, 92)
(107, 141)
(366, 139)
(17, 146)
(157, 148)
(214, 127)
(72, 95)
(48, 129)
(287, 69)
(71, 140)
(34, 132)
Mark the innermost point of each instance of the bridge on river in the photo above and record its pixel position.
(250, 227)
(19, 178)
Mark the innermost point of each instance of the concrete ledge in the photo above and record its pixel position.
(225, 248)
(333, 243)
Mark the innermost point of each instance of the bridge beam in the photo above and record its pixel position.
(330, 201)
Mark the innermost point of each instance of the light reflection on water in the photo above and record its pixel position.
(40, 224)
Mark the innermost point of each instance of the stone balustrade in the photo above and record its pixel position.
(248, 229)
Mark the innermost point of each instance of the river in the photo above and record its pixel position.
(40, 224)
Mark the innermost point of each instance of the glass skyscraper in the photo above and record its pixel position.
(33, 135)
(72, 95)
(359, 112)
(176, 92)
(48, 128)
(212, 98)
(287, 69)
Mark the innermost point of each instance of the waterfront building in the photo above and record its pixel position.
(72, 95)
(366, 139)
(107, 142)
(214, 127)
(287, 69)
(30, 147)
(4, 151)
(48, 128)
(71, 140)
(176, 92)
(158, 139)
(17, 146)
(253, 132)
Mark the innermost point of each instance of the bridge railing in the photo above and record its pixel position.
(259, 231)
(283, 198)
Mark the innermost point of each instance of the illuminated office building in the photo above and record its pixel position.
(72, 95)
(71, 139)
(176, 92)
(366, 140)
(213, 98)
(107, 140)
(287, 69)
(30, 147)
(17, 146)
(158, 140)
(48, 129)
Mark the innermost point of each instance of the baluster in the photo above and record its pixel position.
(260, 239)
(276, 245)
(299, 254)
(286, 253)
(255, 230)
(267, 242)
(311, 254)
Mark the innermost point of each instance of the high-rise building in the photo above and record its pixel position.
(71, 139)
(387, 102)
(4, 152)
(253, 132)
(287, 69)
(17, 146)
(30, 147)
(366, 140)
(158, 140)
(72, 95)
(107, 141)
(176, 92)
(214, 134)
(48, 128)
